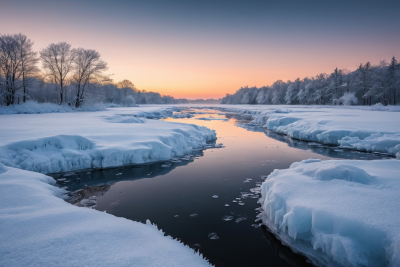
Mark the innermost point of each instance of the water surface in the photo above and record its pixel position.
(209, 202)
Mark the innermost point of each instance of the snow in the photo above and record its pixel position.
(59, 142)
(30, 107)
(370, 129)
(38, 228)
(337, 212)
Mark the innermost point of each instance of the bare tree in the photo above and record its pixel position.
(57, 60)
(10, 68)
(88, 67)
(126, 84)
(28, 60)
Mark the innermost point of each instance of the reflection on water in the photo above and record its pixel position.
(210, 200)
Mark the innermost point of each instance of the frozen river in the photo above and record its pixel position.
(209, 200)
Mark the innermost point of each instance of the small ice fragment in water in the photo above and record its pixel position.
(241, 203)
(256, 225)
(119, 173)
(116, 203)
(240, 219)
(88, 172)
(62, 179)
(227, 218)
(87, 203)
(215, 196)
(234, 201)
(238, 198)
(226, 205)
(193, 215)
(176, 216)
(213, 236)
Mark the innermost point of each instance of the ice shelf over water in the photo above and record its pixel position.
(38, 228)
(371, 129)
(59, 142)
(337, 211)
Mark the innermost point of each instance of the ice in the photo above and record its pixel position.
(248, 180)
(69, 141)
(88, 203)
(240, 219)
(61, 179)
(213, 236)
(337, 210)
(115, 203)
(193, 215)
(119, 173)
(215, 196)
(241, 203)
(176, 216)
(39, 228)
(359, 128)
(256, 225)
(227, 218)
(166, 165)
(234, 201)
(226, 205)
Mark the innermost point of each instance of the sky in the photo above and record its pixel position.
(205, 49)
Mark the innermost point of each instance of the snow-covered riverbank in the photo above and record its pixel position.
(342, 211)
(38, 228)
(59, 142)
(371, 129)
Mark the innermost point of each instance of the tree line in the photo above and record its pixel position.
(367, 85)
(67, 75)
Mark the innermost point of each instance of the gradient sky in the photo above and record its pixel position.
(205, 49)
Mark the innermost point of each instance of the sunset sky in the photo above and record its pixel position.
(205, 49)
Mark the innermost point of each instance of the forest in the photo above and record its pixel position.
(367, 85)
(64, 75)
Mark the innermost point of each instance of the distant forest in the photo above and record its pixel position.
(73, 76)
(367, 85)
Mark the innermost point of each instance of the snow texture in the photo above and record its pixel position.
(369, 129)
(337, 212)
(38, 228)
(50, 143)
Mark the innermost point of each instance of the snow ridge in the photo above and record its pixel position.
(337, 212)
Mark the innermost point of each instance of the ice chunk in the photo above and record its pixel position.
(193, 215)
(215, 196)
(240, 219)
(213, 236)
(227, 218)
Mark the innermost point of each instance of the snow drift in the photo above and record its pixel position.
(337, 212)
(38, 228)
(369, 129)
(49, 143)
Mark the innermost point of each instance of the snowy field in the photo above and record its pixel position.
(59, 142)
(42, 229)
(370, 129)
(346, 209)
(38, 228)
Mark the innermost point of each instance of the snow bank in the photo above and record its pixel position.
(49, 143)
(369, 129)
(38, 228)
(32, 107)
(337, 212)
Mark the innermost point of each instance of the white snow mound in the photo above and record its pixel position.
(49, 143)
(338, 212)
(38, 228)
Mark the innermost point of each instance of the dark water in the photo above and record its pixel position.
(169, 197)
